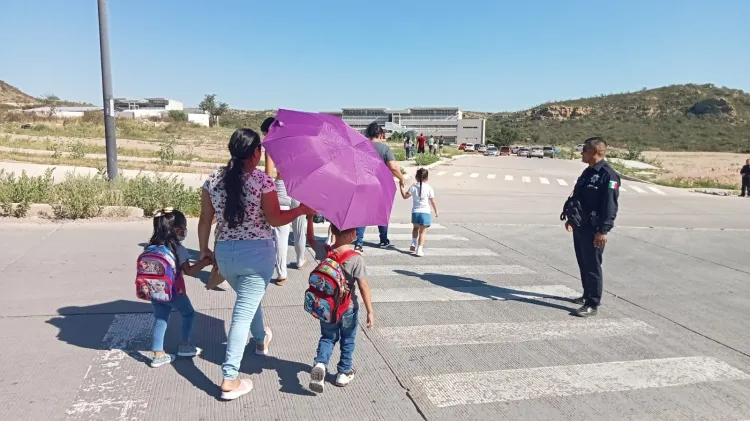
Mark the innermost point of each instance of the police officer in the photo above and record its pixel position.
(596, 191)
(745, 173)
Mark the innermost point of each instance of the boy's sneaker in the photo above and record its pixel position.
(163, 360)
(343, 379)
(188, 351)
(359, 249)
(419, 252)
(317, 378)
(385, 244)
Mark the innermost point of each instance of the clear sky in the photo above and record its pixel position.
(493, 55)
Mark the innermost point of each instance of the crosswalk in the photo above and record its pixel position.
(549, 181)
(452, 335)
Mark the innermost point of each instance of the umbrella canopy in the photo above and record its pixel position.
(332, 168)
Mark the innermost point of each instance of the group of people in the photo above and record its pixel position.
(413, 148)
(253, 216)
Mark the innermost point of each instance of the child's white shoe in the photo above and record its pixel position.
(343, 379)
(317, 378)
(419, 252)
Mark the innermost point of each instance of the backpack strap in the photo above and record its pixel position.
(343, 257)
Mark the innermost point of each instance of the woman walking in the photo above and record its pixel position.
(244, 201)
(298, 226)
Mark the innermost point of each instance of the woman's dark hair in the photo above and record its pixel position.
(242, 146)
(373, 130)
(266, 125)
(421, 176)
(166, 222)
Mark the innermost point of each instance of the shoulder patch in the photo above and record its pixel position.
(613, 185)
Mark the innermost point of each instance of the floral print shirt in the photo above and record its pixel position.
(255, 225)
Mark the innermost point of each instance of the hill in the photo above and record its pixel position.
(10, 95)
(672, 118)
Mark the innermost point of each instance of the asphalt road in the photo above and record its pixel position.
(478, 329)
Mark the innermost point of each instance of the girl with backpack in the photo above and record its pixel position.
(423, 196)
(160, 279)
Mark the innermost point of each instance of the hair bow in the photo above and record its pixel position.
(162, 212)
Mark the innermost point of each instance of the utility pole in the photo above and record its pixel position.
(109, 103)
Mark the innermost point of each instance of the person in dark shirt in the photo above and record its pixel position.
(745, 172)
(597, 190)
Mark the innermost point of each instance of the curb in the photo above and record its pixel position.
(48, 211)
(630, 178)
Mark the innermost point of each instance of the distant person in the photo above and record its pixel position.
(407, 147)
(431, 144)
(423, 196)
(298, 226)
(376, 134)
(590, 214)
(421, 140)
(441, 142)
(170, 229)
(246, 206)
(745, 172)
(344, 330)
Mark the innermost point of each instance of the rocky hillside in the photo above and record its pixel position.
(12, 96)
(678, 117)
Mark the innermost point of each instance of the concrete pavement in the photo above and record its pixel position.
(478, 329)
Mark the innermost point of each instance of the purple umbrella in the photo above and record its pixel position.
(332, 168)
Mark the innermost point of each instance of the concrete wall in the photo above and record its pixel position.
(201, 119)
(472, 131)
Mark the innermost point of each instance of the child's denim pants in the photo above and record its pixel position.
(345, 332)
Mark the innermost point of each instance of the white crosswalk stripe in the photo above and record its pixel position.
(441, 173)
(430, 252)
(637, 189)
(623, 189)
(526, 179)
(543, 180)
(397, 295)
(657, 191)
(449, 270)
(474, 175)
(532, 383)
(562, 182)
(391, 226)
(508, 178)
(457, 174)
(407, 237)
(491, 176)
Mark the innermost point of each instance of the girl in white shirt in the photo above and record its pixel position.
(423, 196)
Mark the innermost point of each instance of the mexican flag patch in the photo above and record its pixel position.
(613, 185)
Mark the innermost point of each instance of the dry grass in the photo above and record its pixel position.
(681, 167)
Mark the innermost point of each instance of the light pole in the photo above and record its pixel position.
(109, 103)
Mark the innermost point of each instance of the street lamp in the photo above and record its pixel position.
(109, 103)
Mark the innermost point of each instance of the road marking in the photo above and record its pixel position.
(407, 237)
(543, 180)
(532, 383)
(450, 270)
(441, 173)
(474, 175)
(638, 189)
(657, 191)
(562, 182)
(509, 293)
(109, 390)
(457, 174)
(495, 333)
(623, 189)
(453, 252)
(526, 179)
(491, 176)
(508, 178)
(324, 226)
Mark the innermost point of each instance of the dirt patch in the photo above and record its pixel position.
(720, 166)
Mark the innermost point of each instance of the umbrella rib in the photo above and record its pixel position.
(349, 206)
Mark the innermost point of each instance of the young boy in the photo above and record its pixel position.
(345, 330)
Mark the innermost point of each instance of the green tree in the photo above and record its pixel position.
(51, 101)
(213, 108)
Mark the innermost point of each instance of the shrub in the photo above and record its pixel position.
(166, 153)
(399, 154)
(178, 115)
(78, 150)
(79, 197)
(426, 159)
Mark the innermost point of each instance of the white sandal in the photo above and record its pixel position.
(245, 387)
(266, 345)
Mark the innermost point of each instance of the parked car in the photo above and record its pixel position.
(579, 148)
(506, 150)
(514, 150)
(536, 153)
(491, 151)
(469, 147)
(480, 148)
(523, 152)
(462, 147)
(549, 151)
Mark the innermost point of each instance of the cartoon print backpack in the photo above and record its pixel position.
(328, 296)
(156, 276)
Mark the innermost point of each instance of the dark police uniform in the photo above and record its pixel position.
(598, 189)
(745, 172)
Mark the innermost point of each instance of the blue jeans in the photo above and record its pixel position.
(361, 235)
(344, 332)
(180, 303)
(247, 266)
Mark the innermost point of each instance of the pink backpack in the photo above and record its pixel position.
(156, 274)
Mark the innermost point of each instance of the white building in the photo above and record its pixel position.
(162, 104)
(447, 122)
(61, 112)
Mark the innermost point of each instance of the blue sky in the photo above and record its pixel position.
(322, 55)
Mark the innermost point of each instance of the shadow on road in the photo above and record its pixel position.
(485, 290)
(127, 325)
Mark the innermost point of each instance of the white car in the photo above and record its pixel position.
(536, 153)
(579, 148)
(481, 148)
(469, 147)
